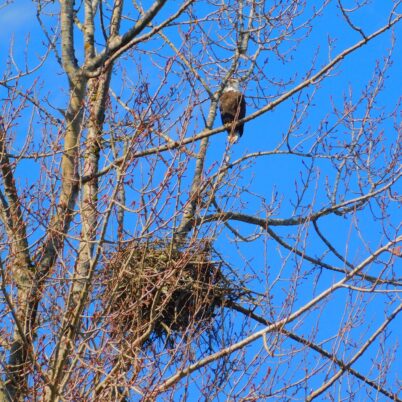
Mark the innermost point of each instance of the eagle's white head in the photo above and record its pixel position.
(232, 85)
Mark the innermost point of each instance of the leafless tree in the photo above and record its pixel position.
(144, 257)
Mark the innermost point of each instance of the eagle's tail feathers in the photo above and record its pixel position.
(234, 137)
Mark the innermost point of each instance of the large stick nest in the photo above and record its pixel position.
(153, 289)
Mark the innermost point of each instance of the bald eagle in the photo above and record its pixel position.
(232, 105)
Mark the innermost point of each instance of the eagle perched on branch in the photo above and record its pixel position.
(232, 105)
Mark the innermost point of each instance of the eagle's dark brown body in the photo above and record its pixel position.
(232, 105)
